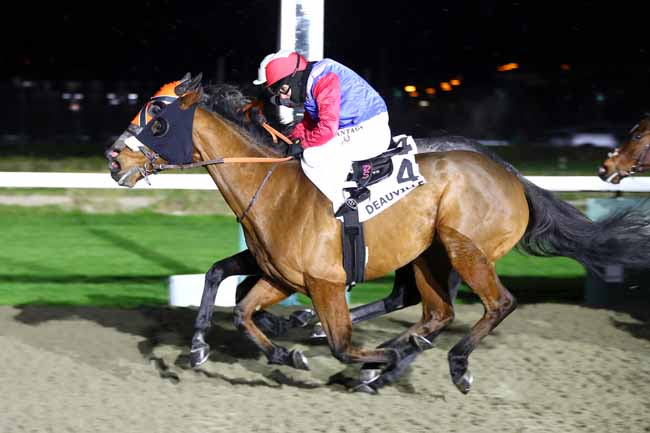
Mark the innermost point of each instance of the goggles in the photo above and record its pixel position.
(278, 89)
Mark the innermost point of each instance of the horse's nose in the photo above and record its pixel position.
(113, 165)
(111, 153)
(602, 172)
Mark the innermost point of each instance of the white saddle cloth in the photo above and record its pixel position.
(404, 179)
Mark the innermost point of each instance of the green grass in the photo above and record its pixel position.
(51, 256)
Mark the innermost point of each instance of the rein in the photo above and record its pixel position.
(275, 134)
(235, 160)
(157, 168)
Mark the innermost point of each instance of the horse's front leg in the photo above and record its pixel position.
(263, 294)
(329, 301)
(242, 263)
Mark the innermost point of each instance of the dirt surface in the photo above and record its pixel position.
(546, 368)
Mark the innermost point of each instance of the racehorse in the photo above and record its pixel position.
(630, 158)
(472, 211)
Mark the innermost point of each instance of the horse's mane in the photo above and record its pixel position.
(228, 100)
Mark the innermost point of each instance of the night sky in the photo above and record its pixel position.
(159, 41)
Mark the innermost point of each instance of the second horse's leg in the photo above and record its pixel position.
(241, 263)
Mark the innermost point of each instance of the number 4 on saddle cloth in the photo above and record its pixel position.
(377, 184)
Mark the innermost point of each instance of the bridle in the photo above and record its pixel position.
(150, 167)
(640, 164)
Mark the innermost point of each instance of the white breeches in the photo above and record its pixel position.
(328, 165)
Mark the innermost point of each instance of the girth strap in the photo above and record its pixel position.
(354, 248)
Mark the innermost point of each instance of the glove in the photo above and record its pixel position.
(295, 149)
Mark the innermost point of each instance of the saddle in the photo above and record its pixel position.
(370, 171)
(365, 173)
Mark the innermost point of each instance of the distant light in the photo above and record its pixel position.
(424, 103)
(430, 91)
(78, 96)
(410, 88)
(27, 83)
(66, 95)
(132, 96)
(445, 86)
(455, 82)
(114, 101)
(508, 67)
(414, 94)
(600, 97)
(75, 106)
(111, 96)
(565, 67)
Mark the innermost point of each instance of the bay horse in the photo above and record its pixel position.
(472, 211)
(631, 157)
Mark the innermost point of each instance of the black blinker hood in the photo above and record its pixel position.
(175, 144)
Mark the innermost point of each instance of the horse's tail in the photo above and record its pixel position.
(556, 228)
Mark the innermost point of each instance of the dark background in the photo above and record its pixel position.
(134, 47)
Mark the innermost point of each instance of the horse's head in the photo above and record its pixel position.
(160, 133)
(632, 157)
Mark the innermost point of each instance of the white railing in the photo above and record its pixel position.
(204, 182)
(186, 290)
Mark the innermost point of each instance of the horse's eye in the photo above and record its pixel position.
(155, 108)
(159, 127)
(638, 137)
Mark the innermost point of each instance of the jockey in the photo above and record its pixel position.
(345, 119)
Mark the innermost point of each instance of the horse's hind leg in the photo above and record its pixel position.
(263, 295)
(478, 272)
(404, 294)
(433, 278)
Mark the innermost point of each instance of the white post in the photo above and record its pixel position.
(301, 30)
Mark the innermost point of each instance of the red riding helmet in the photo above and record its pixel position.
(279, 65)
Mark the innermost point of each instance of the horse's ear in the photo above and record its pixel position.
(188, 84)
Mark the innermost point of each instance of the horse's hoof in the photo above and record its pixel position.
(364, 387)
(299, 360)
(368, 375)
(421, 343)
(464, 383)
(199, 354)
(318, 331)
(301, 318)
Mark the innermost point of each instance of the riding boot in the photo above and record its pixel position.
(357, 195)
